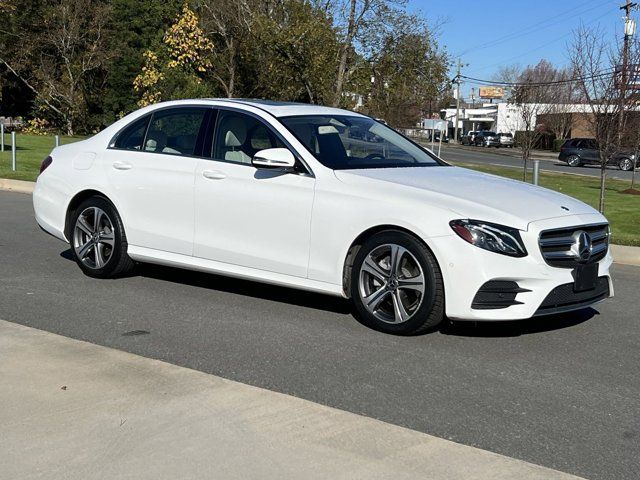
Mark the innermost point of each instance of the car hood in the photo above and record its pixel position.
(470, 194)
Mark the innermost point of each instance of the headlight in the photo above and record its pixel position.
(489, 236)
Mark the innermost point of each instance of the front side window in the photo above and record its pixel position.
(239, 137)
(175, 131)
(132, 136)
(343, 142)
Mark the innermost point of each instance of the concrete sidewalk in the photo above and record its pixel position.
(75, 410)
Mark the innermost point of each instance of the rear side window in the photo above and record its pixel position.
(132, 136)
(175, 131)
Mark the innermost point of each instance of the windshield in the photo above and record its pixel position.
(343, 142)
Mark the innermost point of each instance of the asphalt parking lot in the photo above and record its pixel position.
(560, 392)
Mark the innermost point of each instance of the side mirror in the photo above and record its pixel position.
(274, 158)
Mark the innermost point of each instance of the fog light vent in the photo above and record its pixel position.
(497, 294)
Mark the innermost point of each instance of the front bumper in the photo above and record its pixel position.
(466, 269)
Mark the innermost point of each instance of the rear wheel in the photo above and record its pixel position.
(625, 164)
(396, 285)
(98, 241)
(574, 161)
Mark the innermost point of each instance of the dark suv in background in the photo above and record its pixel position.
(584, 151)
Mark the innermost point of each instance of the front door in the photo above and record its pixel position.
(246, 216)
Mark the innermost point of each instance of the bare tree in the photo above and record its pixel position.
(58, 55)
(227, 23)
(360, 18)
(531, 97)
(605, 88)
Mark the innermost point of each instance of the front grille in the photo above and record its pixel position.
(563, 298)
(497, 294)
(556, 245)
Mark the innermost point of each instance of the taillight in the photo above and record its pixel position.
(45, 163)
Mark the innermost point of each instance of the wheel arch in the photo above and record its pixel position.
(75, 201)
(357, 243)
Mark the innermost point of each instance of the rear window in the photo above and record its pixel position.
(132, 136)
(506, 135)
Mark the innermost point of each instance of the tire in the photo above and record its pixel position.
(625, 164)
(574, 161)
(99, 252)
(399, 304)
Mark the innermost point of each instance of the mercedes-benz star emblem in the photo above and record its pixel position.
(582, 246)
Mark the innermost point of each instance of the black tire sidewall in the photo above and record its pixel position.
(426, 260)
(119, 245)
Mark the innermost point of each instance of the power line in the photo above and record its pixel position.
(480, 81)
(502, 62)
(532, 28)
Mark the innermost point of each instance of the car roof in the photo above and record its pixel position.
(286, 109)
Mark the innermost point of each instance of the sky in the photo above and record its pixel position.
(486, 34)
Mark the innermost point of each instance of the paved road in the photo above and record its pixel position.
(508, 158)
(560, 392)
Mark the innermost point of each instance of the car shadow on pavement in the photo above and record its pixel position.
(318, 301)
(237, 286)
(516, 328)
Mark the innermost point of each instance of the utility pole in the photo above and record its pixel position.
(455, 126)
(629, 31)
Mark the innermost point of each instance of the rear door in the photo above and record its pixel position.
(151, 166)
(590, 152)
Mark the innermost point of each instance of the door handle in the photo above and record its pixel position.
(122, 166)
(214, 174)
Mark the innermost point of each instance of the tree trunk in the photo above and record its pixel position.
(603, 181)
(232, 68)
(344, 53)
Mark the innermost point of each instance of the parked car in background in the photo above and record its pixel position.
(276, 192)
(468, 138)
(506, 140)
(584, 151)
(486, 138)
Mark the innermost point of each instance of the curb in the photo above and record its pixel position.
(626, 255)
(19, 186)
(621, 253)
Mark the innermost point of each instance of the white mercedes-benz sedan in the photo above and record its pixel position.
(321, 199)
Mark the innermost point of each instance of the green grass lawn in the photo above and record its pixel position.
(30, 151)
(622, 210)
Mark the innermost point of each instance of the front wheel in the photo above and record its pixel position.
(98, 242)
(396, 285)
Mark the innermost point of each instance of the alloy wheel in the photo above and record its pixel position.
(573, 161)
(93, 238)
(626, 164)
(391, 283)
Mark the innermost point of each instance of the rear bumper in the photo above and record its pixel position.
(48, 204)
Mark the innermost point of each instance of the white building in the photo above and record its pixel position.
(504, 117)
